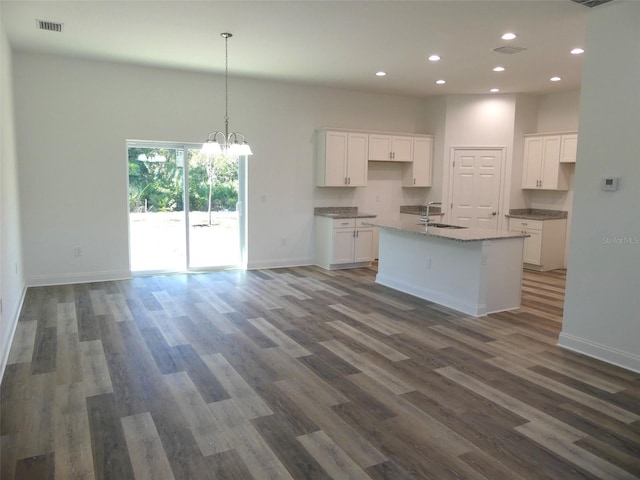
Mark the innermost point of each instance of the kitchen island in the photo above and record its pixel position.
(472, 270)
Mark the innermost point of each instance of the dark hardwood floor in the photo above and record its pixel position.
(302, 373)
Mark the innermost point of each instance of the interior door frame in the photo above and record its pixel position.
(501, 194)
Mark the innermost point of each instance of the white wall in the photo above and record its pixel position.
(558, 112)
(436, 124)
(74, 117)
(12, 284)
(602, 303)
(525, 122)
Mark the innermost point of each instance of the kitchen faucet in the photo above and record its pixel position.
(428, 207)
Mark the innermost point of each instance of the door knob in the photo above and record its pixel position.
(494, 213)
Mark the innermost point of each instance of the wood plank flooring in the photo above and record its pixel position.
(301, 373)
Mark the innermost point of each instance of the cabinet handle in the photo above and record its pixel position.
(356, 233)
(345, 180)
(348, 180)
(394, 155)
(414, 180)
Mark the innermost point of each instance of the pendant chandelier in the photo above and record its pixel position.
(230, 143)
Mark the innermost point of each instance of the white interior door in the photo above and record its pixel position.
(476, 187)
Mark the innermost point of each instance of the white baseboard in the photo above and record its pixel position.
(85, 277)
(279, 263)
(598, 351)
(6, 342)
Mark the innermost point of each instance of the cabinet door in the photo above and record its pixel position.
(357, 157)
(533, 151)
(551, 162)
(568, 148)
(380, 147)
(343, 246)
(336, 159)
(363, 249)
(532, 247)
(418, 173)
(402, 149)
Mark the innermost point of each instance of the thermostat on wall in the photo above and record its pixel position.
(610, 183)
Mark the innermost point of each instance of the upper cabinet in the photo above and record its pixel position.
(390, 148)
(546, 158)
(568, 148)
(341, 159)
(419, 172)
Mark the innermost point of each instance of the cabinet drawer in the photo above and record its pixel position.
(344, 223)
(360, 222)
(523, 224)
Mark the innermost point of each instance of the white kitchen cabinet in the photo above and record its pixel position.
(390, 148)
(544, 249)
(343, 243)
(568, 148)
(542, 167)
(341, 159)
(419, 172)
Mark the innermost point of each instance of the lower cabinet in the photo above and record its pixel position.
(343, 243)
(544, 248)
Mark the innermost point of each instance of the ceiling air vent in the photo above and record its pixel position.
(591, 3)
(509, 50)
(49, 26)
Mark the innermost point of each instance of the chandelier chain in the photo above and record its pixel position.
(233, 143)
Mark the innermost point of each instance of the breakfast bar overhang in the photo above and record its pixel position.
(471, 270)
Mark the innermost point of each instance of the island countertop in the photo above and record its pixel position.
(456, 234)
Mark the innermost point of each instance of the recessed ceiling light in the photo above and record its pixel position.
(498, 69)
(555, 79)
(494, 90)
(434, 58)
(577, 51)
(441, 82)
(509, 36)
(380, 74)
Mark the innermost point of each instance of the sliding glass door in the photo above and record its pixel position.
(184, 209)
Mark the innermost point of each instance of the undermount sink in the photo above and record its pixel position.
(442, 225)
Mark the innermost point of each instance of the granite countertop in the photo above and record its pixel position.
(537, 214)
(421, 210)
(341, 212)
(456, 234)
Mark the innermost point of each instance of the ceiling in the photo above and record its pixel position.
(338, 44)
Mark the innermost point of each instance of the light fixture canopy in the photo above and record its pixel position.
(231, 143)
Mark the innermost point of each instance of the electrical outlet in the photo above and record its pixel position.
(77, 252)
(428, 263)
